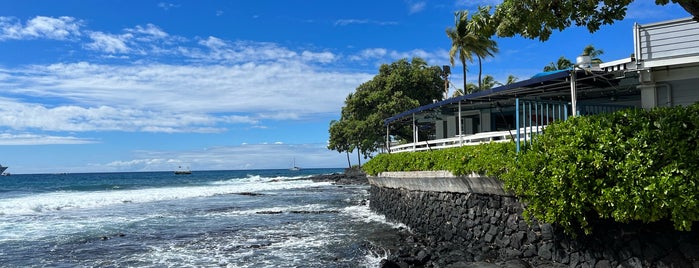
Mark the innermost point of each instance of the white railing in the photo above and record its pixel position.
(466, 140)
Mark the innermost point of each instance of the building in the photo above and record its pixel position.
(664, 71)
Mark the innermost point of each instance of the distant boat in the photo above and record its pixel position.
(181, 171)
(2, 170)
(294, 167)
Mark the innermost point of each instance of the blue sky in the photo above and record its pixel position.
(107, 86)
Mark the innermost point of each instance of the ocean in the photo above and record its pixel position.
(249, 218)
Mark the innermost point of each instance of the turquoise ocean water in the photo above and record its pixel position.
(248, 218)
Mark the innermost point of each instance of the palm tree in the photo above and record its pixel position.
(488, 82)
(511, 79)
(561, 64)
(482, 25)
(472, 37)
(470, 87)
(594, 54)
(459, 41)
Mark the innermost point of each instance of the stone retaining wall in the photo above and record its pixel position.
(488, 227)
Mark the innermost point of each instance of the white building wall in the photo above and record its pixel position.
(668, 56)
(666, 40)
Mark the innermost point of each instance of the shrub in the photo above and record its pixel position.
(633, 165)
(489, 159)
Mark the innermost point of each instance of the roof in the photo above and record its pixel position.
(543, 85)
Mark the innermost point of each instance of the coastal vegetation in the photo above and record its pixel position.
(632, 165)
(399, 86)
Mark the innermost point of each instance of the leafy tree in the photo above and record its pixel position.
(339, 140)
(561, 64)
(398, 87)
(471, 37)
(537, 19)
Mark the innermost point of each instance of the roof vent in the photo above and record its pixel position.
(583, 61)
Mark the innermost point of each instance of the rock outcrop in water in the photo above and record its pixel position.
(349, 177)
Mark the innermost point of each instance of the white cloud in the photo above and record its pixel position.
(245, 156)
(648, 11)
(34, 139)
(345, 22)
(149, 32)
(213, 43)
(167, 6)
(39, 27)
(382, 55)
(322, 57)
(416, 7)
(109, 43)
(170, 98)
(23, 116)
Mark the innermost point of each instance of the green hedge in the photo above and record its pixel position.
(490, 159)
(633, 165)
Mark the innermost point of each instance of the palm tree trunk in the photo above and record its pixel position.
(463, 62)
(349, 164)
(480, 72)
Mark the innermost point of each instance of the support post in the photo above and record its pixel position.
(414, 133)
(461, 133)
(517, 122)
(573, 92)
(388, 138)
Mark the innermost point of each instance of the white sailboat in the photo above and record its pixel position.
(293, 166)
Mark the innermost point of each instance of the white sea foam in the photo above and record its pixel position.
(362, 213)
(68, 200)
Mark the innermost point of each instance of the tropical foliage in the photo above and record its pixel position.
(490, 159)
(472, 37)
(561, 64)
(633, 165)
(398, 87)
(538, 19)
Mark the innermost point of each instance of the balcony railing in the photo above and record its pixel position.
(465, 140)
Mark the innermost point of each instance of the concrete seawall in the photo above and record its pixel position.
(484, 222)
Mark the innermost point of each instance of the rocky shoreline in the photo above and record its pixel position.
(419, 250)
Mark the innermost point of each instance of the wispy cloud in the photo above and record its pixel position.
(40, 27)
(346, 22)
(167, 6)
(416, 7)
(649, 11)
(382, 55)
(34, 139)
(207, 85)
(246, 156)
(109, 43)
